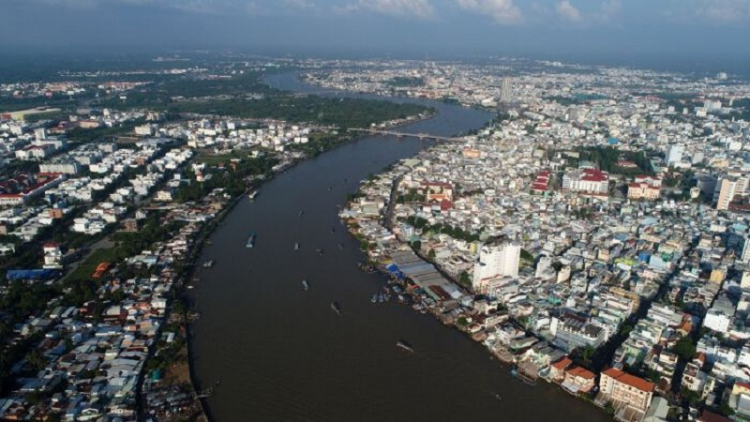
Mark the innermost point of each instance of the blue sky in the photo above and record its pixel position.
(697, 28)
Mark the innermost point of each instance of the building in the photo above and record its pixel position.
(578, 380)
(728, 189)
(506, 95)
(52, 256)
(645, 187)
(587, 180)
(719, 317)
(62, 168)
(628, 393)
(496, 261)
(674, 155)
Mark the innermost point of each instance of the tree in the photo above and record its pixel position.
(465, 279)
(432, 254)
(684, 348)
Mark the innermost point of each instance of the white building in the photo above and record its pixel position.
(52, 255)
(496, 261)
(674, 155)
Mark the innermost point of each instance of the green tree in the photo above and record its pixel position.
(684, 348)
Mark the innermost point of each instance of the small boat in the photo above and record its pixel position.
(374, 298)
(381, 298)
(404, 345)
(336, 308)
(208, 264)
(300, 213)
(341, 246)
(333, 230)
(296, 246)
(305, 285)
(497, 397)
(320, 251)
(251, 240)
(252, 195)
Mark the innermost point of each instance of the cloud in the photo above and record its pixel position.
(502, 11)
(194, 6)
(421, 9)
(568, 12)
(723, 10)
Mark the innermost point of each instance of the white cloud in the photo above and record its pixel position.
(723, 10)
(502, 11)
(568, 12)
(403, 8)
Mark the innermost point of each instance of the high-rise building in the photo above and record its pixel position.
(728, 189)
(674, 155)
(496, 261)
(506, 95)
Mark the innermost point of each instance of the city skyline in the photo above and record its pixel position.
(624, 30)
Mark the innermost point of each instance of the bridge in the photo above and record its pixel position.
(421, 136)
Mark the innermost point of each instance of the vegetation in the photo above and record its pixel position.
(685, 349)
(341, 112)
(454, 232)
(405, 81)
(607, 158)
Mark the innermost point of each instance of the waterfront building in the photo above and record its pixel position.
(630, 395)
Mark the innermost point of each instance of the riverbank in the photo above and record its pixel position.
(201, 243)
(277, 348)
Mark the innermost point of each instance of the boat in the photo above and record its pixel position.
(320, 252)
(251, 240)
(374, 298)
(296, 246)
(497, 396)
(208, 264)
(341, 246)
(381, 298)
(305, 285)
(252, 195)
(333, 230)
(300, 213)
(404, 345)
(336, 308)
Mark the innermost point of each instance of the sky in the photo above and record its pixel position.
(689, 29)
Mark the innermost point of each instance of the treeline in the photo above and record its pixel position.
(341, 112)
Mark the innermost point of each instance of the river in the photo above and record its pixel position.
(281, 354)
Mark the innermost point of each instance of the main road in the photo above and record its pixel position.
(281, 354)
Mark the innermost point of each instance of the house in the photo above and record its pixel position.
(630, 395)
(557, 369)
(578, 380)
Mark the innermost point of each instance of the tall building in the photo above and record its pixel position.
(505, 91)
(728, 189)
(496, 261)
(674, 155)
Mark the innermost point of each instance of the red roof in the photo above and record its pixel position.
(631, 380)
(581, 372)
(562, 363)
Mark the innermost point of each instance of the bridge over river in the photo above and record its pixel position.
(421, 136)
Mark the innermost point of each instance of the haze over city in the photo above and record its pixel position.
(623, 31)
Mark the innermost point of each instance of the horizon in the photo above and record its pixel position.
(691, 32)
